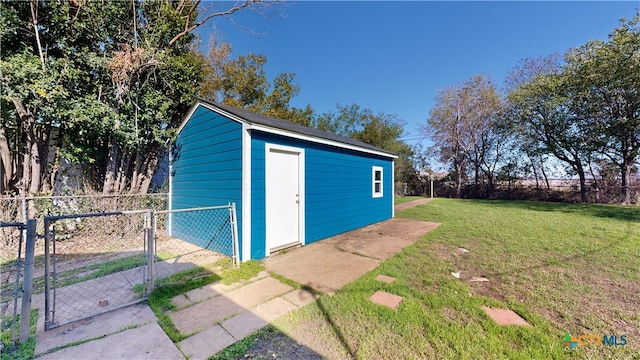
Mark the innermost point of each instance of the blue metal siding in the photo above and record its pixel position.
(338, 189)
(206, 171)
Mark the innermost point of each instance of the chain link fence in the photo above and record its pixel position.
(13, 209)
(11, 275)
(93, 263)
(16, 282)
(194, 237)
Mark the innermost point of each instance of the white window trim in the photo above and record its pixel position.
(374, 193)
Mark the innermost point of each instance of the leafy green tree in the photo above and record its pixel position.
(605, 77)
(542, 107)
(101, 83)
(382, 130)
(242, 82)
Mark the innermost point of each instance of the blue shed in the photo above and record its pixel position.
(292, 184)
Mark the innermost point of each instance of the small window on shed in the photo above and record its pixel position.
(376, 181)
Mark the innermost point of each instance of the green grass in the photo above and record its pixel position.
(404, 199)
(166, 289)
(245, 271)
(562, 267)
(239, 348)
(84, 273)
(13, 350)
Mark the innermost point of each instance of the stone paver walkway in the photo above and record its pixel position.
(216, 316)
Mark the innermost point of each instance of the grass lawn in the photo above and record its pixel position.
(563, 267)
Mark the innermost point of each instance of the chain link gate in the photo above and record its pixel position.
(17, 282)
(94, 263)
(98, 262)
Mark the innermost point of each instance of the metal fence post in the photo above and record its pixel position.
(151, 250)
(24, 209)
(234, 233)
(47, 274)
(27, 284)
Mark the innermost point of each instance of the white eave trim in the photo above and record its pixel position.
(188, 116)
(281, 132)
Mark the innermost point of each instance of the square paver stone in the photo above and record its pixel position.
(205, 314)
(273, 309)
(206, 343)
(93, 328)
(505, 317)
(385, 278)
(386, 299)
(258, 292)
(181, 301)
(300, 297)
(321, 266)
(243, 324)
(202, 293)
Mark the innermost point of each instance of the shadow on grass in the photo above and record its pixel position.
(617, 212)
(334, 328)
(267, 343)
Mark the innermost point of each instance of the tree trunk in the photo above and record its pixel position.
(111, 170)
(596, 184)
(458, 169)
(476, 175)
(25, 139)
(544, 174)
(146, 170)
(136, 176)
(124, 174)
(6, 163)
(35, 167)
(625, 171)
(583, 182)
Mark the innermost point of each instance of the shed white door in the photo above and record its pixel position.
(283, 196)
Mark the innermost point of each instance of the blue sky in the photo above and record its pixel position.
(394, 56)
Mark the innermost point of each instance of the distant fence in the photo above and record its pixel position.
(558, 190)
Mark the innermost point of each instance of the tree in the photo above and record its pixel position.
(605, 80)
(465, 128)
(542, 105)
(243, 83)
(103, 84)
(381, 130)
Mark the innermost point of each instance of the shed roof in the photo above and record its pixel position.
(288, 126)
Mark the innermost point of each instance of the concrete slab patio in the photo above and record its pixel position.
(330, 264)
